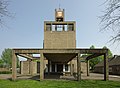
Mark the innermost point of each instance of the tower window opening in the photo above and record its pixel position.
(65, 27)
(70, 27)
(53, 28)
(48, 27)
(59, 27)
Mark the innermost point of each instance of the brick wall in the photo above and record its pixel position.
(115, 70)
(83, 67)
(59, 40)
(4, 69)
(25, 67)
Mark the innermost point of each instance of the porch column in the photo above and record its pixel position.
(48, 66)
(14, 72)
(63, 67)
(71, 68)
(106, 67)
(88, 73)
(41, 66)
(31, 68)
(78, 67)
(55, 67)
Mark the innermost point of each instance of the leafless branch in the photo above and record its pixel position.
(3, 11)
(111, 18)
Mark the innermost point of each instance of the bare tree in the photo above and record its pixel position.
(111, 19)
(3, 11)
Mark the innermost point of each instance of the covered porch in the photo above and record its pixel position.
(61, 56)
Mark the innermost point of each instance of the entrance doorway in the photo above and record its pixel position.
(59, 67)
(38, 67)
(53, 67)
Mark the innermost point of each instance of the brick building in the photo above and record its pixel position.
(114, 66)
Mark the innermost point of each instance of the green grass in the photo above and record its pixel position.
(58, 84)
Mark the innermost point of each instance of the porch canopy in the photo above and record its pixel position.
(60, 55)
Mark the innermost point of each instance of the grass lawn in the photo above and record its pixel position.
(58, 84)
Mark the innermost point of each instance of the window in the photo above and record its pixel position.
(53, 27)
(66, 67)
(59, 27)
(65, 28)
(110, 69)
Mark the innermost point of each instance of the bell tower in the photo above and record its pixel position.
(59, 34)
(59, 15)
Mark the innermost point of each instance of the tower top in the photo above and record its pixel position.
(59, 15)
(59, 6)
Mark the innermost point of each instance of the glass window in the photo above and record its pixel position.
(59, 27)
(66, 67)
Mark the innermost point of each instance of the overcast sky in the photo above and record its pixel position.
(25, 30)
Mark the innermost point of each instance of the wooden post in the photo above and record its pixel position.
(106, 67)
(14, 71)
(78, 67)
(88, 73)
(41, 66)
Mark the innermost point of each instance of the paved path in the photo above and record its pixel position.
(93, 76)
(5, 76)
(100, 77)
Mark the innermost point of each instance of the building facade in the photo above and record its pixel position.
(59, 53)
(114, 66)
(58, 34)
